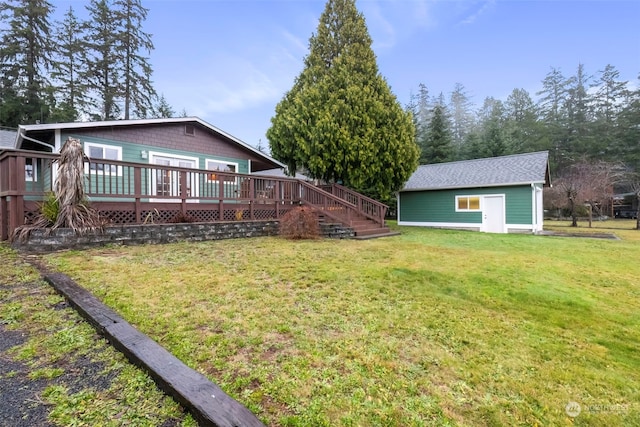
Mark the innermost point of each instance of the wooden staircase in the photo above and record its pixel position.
(340, 204)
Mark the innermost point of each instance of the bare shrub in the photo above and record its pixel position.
(300, 223)
(182, 218)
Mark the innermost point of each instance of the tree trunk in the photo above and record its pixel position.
(590, 214)
(574, 219)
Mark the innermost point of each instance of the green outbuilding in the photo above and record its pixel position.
(494, 195)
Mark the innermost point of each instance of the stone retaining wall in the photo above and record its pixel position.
(41, 241)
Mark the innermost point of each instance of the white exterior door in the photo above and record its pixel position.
(167, 182)
(493, 215)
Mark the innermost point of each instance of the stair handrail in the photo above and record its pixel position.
(349, 208)
(377, 210)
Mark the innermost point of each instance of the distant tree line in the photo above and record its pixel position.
(576, 118)
(70, 70)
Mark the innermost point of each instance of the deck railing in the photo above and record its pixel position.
(134, 193)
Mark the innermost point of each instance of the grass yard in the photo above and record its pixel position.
(55, 370)
(433, 327)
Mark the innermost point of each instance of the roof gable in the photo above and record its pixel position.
(489, 172)
(142, 122)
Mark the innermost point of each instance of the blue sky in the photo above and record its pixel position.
(230, 62)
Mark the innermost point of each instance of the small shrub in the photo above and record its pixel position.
(182, 218)
(300, 223)
(50, 209)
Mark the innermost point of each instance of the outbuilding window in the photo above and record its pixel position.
(467, 203)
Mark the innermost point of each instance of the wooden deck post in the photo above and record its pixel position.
(184, 192)
(16, 189)
(137, 191)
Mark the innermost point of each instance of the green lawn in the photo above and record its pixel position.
(67, 368)
(433, 327)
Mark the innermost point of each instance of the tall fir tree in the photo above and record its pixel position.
(25, 48)
(70, 92)
(522, 126)
(439, 144)
(628, 132)
(103, 72)
(610, 93)
(163, 109)
(462, 121)
(492, 120)
(134, 46)
(577, 114)
(551, 104)
(340, 121)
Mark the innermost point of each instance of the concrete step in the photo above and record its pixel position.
(371, 231)
(377, 236)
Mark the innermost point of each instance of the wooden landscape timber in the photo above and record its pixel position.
(207, 403)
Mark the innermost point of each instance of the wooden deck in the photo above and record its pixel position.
(136, 193)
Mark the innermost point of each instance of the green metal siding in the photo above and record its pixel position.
(434, 206)
(439, 205)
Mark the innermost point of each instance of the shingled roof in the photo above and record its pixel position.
(490, 172)
(7, 138)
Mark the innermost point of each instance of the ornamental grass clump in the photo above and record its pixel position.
(300, 223)
(68, 207)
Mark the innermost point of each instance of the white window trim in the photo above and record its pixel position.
(206, 166)
(87, 147)
(34, 171)
(469, 210)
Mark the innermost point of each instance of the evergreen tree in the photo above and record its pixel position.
(163, 109)
(577, 114)
(628, 132)
(522, 127)
(552, 100)
(133, 44)
(70, 91)
(461, 118)
(492, 121)
(25, 47)
(438, 147)
(610, 92)
(340, 121)
(103, 72)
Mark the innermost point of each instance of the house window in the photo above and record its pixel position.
(30, 170)
(221, 166)
(190, 130)
(467, 203)
(97, 152)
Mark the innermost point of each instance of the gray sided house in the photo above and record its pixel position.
(495, 195)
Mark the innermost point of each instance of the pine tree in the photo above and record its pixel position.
(133, 44)
(607, 103)
(577, 114)
(25, 47)
(522, 126)
(439, 146)
(104, 72)
(491, 116)
(70, 90)
(340, 121)
(163, 109)
(551, 103)
(461, 118)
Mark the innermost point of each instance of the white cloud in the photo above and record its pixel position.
(477, 12)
